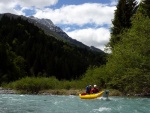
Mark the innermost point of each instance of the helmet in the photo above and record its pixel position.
(94, 85)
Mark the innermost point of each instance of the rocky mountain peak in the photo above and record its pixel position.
(46, 22)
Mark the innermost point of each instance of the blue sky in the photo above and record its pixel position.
(87, 21)
(77, 2)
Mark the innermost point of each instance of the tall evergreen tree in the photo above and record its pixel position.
(146, 7)
(122, 19)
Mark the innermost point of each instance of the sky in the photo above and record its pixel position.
(87, 21)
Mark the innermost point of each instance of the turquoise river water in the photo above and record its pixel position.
(11, 103)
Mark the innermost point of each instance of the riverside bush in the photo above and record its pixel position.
(36, 84)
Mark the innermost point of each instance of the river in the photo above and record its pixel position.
(12, 103)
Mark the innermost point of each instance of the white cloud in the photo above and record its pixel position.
(8, 8)
(36, 3)
(29, 3)
(9, 5)
(97, 37)
(87, 13)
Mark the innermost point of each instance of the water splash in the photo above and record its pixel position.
(102, 109)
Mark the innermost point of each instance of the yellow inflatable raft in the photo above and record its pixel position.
(91, 96)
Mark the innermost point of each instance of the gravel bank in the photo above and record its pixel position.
(6, 91)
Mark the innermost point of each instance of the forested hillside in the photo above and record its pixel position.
(26, 51)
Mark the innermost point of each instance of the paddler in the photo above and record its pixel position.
(94, 89)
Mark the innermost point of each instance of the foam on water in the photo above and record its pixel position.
(102, 109)
(104, 98)
(71, 104)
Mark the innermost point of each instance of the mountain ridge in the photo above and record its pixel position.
(58, 30)
(52, 30)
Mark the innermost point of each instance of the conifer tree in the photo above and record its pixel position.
(122, 19)
(146, 6)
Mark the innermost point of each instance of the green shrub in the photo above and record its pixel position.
(34, 84)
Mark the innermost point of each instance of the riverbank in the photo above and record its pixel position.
(7, 91)
(53, 92)
(76, 92)
(42, 92)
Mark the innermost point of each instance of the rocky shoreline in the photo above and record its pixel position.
(65, 92)
(7, 91)
(42, 92)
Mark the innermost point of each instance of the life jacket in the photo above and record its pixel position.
(94, 90)
(88, 89)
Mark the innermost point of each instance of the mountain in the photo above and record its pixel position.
(52, 30)
(47, 25)
(25, 50)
